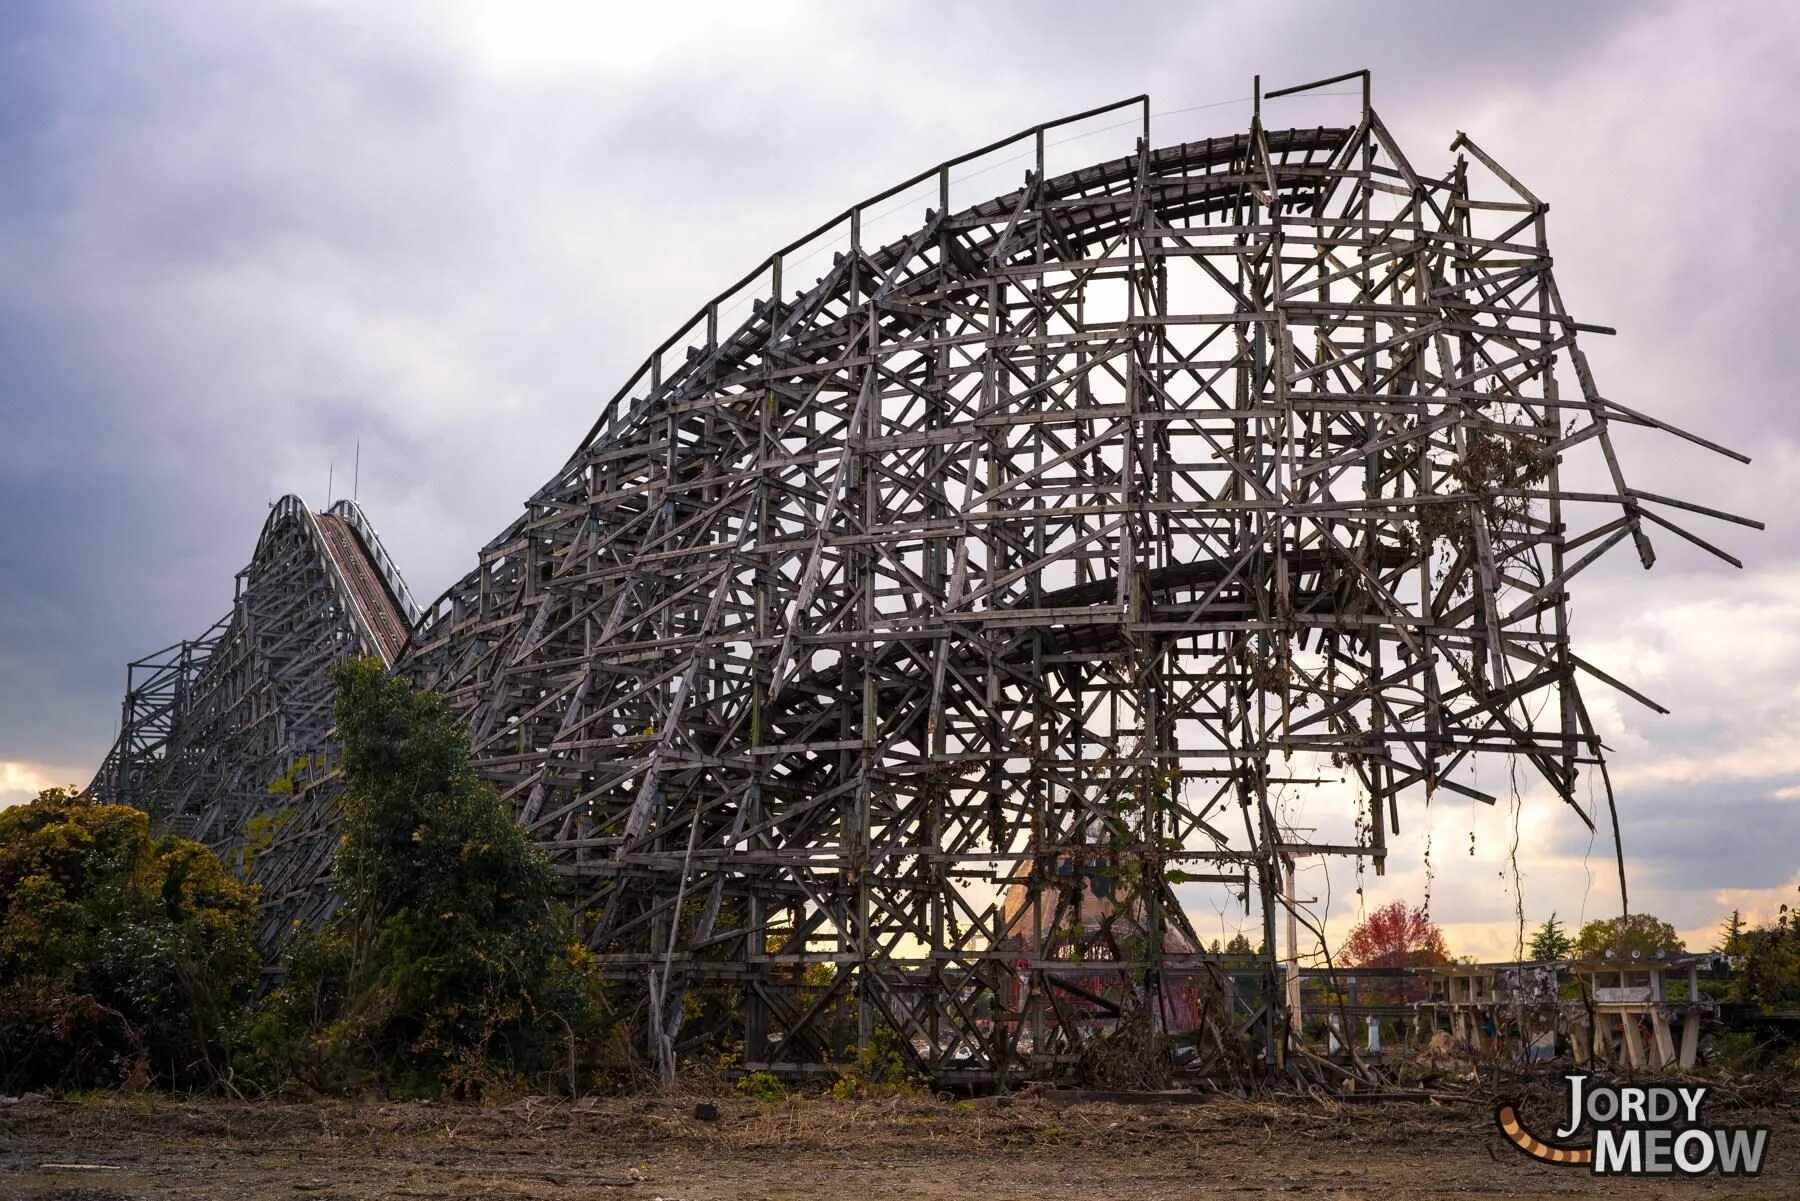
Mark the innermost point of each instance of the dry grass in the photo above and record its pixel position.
(654, 1146)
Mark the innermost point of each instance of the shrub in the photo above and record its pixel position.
(1738, 1051)
(764, 1086)
(123, 958)
(879, 1070)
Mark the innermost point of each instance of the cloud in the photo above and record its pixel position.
(21, 782)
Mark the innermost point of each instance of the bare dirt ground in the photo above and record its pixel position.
(653, 1146)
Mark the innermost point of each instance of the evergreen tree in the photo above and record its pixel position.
(449, 962)
(1551, 941)
(1732, 932)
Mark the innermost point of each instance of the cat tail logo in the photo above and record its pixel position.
(1507, 1118)
(1640, 1130)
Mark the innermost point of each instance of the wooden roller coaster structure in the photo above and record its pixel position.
(908, 649)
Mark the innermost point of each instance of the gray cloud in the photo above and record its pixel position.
(1734, 833)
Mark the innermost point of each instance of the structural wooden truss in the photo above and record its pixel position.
(227, 739)
(925, 617)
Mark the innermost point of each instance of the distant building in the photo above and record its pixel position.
(1088, 944)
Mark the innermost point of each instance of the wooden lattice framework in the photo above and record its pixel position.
(227, 738)
(1033, 555)
(1045, 535)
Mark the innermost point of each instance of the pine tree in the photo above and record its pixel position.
(1551, 941)
(1731, 935)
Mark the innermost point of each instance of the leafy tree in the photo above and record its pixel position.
(1770, 976)
(1551, 941)
(1239, 944)
(1640, 932)
(449, 962)
(1771, 972)
(123, 958)
(1395, 935)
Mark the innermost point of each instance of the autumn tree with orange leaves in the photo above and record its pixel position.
(1395, 935)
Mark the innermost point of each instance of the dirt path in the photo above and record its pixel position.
(643, 1148)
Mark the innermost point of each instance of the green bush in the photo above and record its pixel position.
(764, 1086)
(1738, 1051)
(879, 1070)
(124, 959)
(449, 965)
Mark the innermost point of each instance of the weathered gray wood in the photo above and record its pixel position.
(968, 576)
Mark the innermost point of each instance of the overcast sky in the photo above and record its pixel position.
(236, 239)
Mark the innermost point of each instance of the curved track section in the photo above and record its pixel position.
(226, 738)
(976, 607)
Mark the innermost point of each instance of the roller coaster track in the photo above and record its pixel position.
(964, 616)
(373, 605)
(226, 738)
